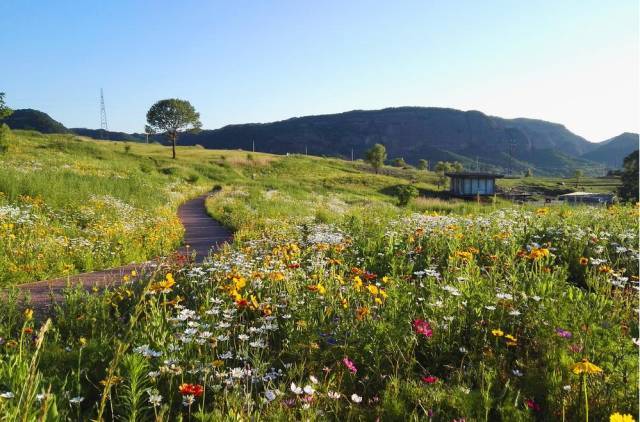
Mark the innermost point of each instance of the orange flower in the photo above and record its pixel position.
(191, 390)
(605, 269)
(584, 261)
(361, 313)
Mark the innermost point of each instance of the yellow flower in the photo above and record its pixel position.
(378, 301)
(163, 286)
(28, 314)
(510, 338)
(82, 341)
(134, 273)
(584, 261)
(372, 289)
(585, 367)
(385, 279)
(358, 282)
(464, 255)
(383, 294)
(217, 363)
(617, 417)
(542, 211)
(497, 332)
(537, 253)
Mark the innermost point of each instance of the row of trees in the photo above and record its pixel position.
(377, 156)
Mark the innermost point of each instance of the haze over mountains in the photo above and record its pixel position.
(471, 137)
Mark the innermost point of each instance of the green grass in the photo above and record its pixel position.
(441, 310)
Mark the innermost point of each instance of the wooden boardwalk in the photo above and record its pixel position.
(202, 234)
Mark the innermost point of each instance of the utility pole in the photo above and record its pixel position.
(477, 164)
(351, 154)
(512, 145)
(305, 150)
(253, 145)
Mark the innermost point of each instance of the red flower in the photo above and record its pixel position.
(195, 390)
(532, 405)
(429, 379)
(422, 327)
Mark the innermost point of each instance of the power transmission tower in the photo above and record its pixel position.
(103, 114)
(512, 144)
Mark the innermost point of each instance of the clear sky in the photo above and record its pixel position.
(571, 62)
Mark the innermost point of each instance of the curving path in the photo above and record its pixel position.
(202, 234)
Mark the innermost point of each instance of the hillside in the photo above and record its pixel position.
(436, 134)
(612, 151)
(107, 134)
(72, 204)
(414, 133)
(29, 119)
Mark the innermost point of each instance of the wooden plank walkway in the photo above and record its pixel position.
(202, 234)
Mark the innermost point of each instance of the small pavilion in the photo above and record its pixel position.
(473, 183)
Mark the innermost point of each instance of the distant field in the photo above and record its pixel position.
(553, 186)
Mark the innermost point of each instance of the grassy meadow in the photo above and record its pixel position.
(332, 303)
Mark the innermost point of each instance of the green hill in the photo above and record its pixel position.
(29, 119)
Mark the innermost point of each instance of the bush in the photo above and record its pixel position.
(193, 178)
(5, 135)
(405, 194)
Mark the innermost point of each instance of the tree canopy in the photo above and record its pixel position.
(629, 189)
(5, 111)
(376, 156)
(173, 116)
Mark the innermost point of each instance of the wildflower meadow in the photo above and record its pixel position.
(334, 303)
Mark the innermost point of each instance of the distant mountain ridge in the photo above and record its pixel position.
(413, 133)
(612, 151)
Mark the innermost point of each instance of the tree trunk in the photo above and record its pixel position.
(173, 145)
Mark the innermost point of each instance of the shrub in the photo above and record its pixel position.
(193, 178)
(5, 135)
(405, 194)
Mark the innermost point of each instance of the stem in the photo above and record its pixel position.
(586, 398)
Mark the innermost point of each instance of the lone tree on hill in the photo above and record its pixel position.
(629, 189)
(423, 164)
(376, 156)
(173, 116)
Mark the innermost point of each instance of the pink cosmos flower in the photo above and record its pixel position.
(350, 365)
(422, 327)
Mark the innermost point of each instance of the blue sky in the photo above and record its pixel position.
(572, 62)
